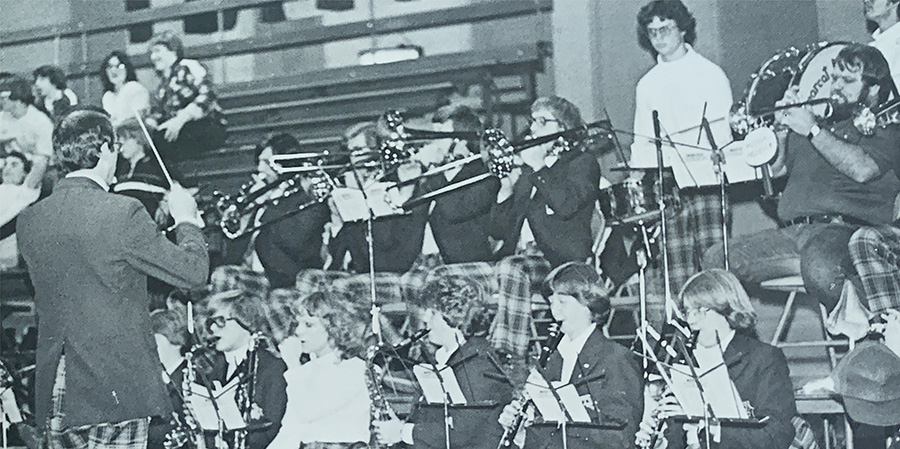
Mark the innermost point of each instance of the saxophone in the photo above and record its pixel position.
(186, 432)
(380, 409)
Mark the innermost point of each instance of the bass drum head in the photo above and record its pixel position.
(808, 68)
(814, 80)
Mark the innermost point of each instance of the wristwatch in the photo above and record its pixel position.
(813, 132)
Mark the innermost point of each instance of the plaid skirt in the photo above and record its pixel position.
(131, 434)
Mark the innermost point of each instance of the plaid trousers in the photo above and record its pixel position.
(131, 434)
(692, 230)
(876, 256)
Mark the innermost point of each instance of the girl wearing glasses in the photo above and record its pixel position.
(605, 374)
(718, 309)
(122, 93)
(328, 406)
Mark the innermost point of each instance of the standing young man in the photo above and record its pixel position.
(682, 86)
(89, 253)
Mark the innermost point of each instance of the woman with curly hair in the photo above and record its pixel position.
(328, 402)
(122, 93)
(719, 310)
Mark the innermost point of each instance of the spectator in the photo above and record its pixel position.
(55, 98)
(23, 127)
(187, 118)
(20, 187)
(122, 93)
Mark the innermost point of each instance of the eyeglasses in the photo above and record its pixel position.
(663, 31)
(115, 66)
(542, 121)
(114, 146)
(219, 322)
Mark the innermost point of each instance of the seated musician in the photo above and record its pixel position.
(327, 397)
(543, 215)
(235, 319)
(170, 332)
(606, 376)
(290, 234)
(454, 311)
(458, 220)
(837, 180)
(719, 310)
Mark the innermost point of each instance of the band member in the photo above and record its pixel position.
(397, 240)
(170, 332)
(328, 401)
(884, 15)
(604, 373)
(290, 238)
(235, 323)
(719, 310)
(89, 254)
(838, 179)
(682, 87)
(543, 215)
(454, 311)
(457, 221)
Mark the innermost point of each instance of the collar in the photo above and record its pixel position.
(888, 34)
(689, 54)
(571, 347)
(236, 356)
(444, 353)
(328, 359)
(89, 175)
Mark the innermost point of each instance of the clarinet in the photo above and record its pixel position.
(547, 348)
(380, 409)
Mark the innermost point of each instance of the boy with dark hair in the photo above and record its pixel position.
(454, 311)
(54, 97)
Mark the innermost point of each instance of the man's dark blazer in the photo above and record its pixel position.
(269, 393)
(612, 380)
(760, 374)
(473, 427)
(559, 213)
(286, 246)
(89, 253)
(460, 219)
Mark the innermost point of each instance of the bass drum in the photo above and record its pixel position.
(808, 68)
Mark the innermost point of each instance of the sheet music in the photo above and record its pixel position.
(718, 390)
(204, 407)
(431, 385)
(694, 167)
(545, 400)
(352, 205)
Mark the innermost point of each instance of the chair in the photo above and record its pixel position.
(792, 285)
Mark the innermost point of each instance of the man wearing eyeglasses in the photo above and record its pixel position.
(234, 324)
(89, 253)
(683, 87)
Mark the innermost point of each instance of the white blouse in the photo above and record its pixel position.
(121, 106)
(327, 401)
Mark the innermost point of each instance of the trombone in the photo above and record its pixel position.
(500, 155)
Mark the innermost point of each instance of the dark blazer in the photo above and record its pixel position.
(559, 213)
(473, 427)
(614, 387)
(89, 253)
(286, 246)
(269, 393)
(460, 219)
(760, 374)
(397, 241)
